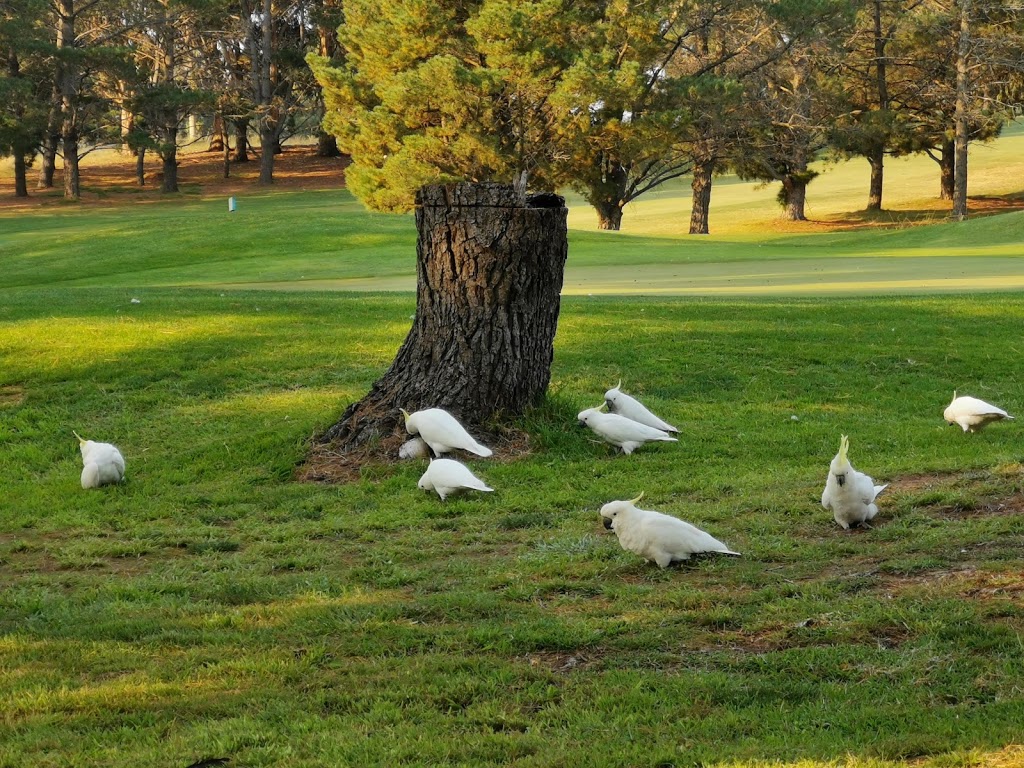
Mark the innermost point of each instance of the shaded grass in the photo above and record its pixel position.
(213, 607)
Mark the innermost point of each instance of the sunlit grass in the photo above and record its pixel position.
(212, 606)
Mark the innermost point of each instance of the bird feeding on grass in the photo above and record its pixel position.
(657, 537)
(972, 414)
(621, 432)
(102, 463)
(442, 432)
(624, 405)
(447, 476)
(848, 493)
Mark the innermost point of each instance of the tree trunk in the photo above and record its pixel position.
(489, 276)
(20, 183)
(327, 145)
(217, 135)
(794, 198)
(876, 158)
(169, 155)
(140, 166)
(962, 87)
(703, 169)
(241, 141)
(127, 126)
(72, 176)
(609, 214)
(268, 138)
(51, 139)
(947, 170)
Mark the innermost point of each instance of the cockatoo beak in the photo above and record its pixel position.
(607, 523)
(841, 479)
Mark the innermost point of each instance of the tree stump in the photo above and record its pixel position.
(489, 277)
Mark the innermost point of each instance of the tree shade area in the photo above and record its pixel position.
(611, 99)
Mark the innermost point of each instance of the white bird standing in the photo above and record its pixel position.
(442, 432)
(848, 493)
(972, 414)
(657, 537)
(620, 431)
(414, 449)
(447, 476)
(103, 463)
(624, 405)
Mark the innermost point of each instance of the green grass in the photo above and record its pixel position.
(212, 606)
(326, 240)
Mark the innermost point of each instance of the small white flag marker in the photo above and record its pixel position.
(231, 205)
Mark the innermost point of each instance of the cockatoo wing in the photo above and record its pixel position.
(622, 429)
(625, 405)
(440, 429)
(449, 473)
(681, 538)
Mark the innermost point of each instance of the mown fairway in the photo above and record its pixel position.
(213, 606)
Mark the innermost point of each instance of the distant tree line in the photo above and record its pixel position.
(611, 98)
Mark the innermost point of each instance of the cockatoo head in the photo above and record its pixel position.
(948, 413)
(586, 416)
(424, 484)
(410, 422)
(83, 445)
(611, 397)
(841, 464)
(613, 509)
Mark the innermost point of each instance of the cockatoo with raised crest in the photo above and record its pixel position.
(655, 536)
(445, 476)
(848, 493)
(621, 432)
(624, 405)
(972, 414)
(102, 463)
(442, 432)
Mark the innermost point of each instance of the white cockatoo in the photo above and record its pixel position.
(624, 405)
(447, 476)
(102, 463)
(972, 414)
(848, 493)
(657, 537)
(414, 449)
(442, 432)
(620, 431)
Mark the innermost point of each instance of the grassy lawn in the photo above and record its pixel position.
(213, 606)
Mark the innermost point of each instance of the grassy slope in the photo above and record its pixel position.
(212, 607)
(318, 240)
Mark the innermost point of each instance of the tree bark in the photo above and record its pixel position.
(140, 166)
(962, 86)
(217, 134)
(609, 214)
(489, 277)
(327, 145)
(876, 158)
(703, 168)
(795, 198)
(20, 182)
(169, 156)
(241, 141)
(947, 170)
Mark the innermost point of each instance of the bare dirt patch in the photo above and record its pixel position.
(11, 395)
(326, 463)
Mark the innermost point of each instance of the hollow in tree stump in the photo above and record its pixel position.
(489, 275)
